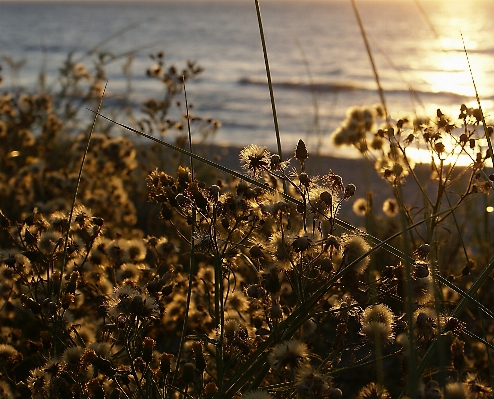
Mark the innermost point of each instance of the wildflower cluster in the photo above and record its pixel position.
(247, 288)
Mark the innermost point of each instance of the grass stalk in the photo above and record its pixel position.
(484, 124)
(491, 150)
(371, 58)
(270, 84)
(74, 198)
(192, 248)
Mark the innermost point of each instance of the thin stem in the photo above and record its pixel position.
(64, 257)
(192, 251)
(270, 85)
(371, 58)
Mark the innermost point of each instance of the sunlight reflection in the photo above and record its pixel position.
(453, 154)
(453, 76)
(444, 64)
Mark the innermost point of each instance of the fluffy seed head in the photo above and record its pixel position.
(377, 324)
(455, 390)
(360, 206)
(390, 207)
(312, 384)
(353, 248)
(254, 159)
(373, 391)
(288, 354)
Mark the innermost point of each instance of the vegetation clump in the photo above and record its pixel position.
(161, 281)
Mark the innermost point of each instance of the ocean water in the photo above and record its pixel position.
(317, 57)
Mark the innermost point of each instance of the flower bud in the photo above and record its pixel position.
(301, 153)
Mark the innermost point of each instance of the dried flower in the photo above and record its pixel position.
(73, 356)
(390, 207)
(377, 324)
(425, 323)
(360, 206)
(254, 159)
(312, 384)
(290, 354)
(373, 391)
(456, 390)
(301, 153)
(353, 248)
(301, 244)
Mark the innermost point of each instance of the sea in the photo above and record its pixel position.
(316, 52)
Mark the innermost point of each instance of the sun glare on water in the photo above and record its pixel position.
(462, 50)
(452, 155)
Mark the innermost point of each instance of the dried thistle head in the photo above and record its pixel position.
(258, 394)
(360, 207)
(390, 207)
(353, 248)
(312, 383)
(373, 391)
(291, 354)
(377, 324)
(254, 160)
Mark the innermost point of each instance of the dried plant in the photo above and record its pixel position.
(247, 285)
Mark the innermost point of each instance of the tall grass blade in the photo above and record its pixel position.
(71, 214)
(489, 143)
(484, 125)
(371, 58)
(192, 248)
(270, 84)
(313, 92)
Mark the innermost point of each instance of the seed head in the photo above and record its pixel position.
(456, 390)
(276, 164)
(425, 323)
(301, 244)
(136, 250)
(72, 356)
(422, 289)
(349, 191)
(373, 391)
(377, 324)
(49, 242)
(290, 354)
(390, 207)
(256, 252)
(312, 384)
(304, 179)
(360, 206)
(254, 159)
(353, 248)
